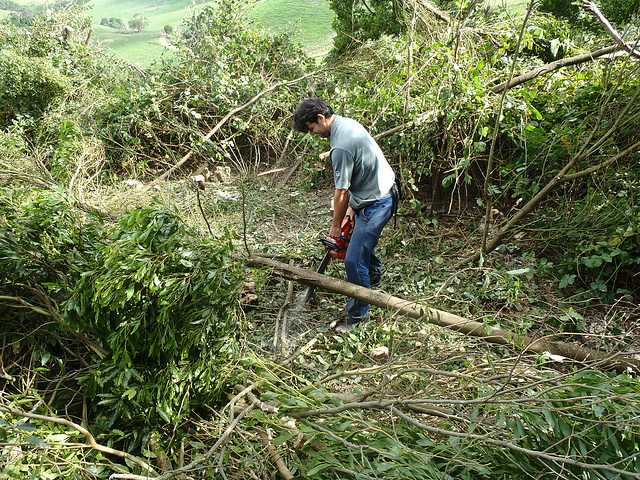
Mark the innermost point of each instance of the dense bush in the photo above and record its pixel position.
(164, 303)
(220, 63)
(29, 85)
(112, 22)
(364, 20)
(158, 299)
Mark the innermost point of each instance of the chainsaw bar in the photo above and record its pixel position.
(308, 293)
(334, 248)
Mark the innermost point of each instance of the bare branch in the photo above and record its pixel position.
(222, 122)
(440, 15)
(593, 8)
(282, 467)
(91, 441)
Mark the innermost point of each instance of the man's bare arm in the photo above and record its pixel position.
(340, 206)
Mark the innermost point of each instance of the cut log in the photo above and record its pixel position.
(605, 360)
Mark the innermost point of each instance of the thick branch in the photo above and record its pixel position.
(588, 171)
(445, 319)
(550, 67)
(282, 467)
(440, 15)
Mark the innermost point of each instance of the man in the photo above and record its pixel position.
(364, 187)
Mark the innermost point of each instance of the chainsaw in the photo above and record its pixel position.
(338, 248)
(335, 248)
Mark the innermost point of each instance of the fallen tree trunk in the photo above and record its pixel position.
(440, 318)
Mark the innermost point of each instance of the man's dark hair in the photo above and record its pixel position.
(308, 111)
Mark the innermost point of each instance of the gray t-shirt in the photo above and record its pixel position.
(359, 164)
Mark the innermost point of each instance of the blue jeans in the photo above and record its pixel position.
(361, 261)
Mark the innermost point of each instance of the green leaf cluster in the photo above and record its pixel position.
(361, 20)
(29, 85)
(164, 302)
(602, 237)
(579, 425)
(619, 12)
(161, 301)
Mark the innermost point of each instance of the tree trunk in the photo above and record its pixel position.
(448, 320)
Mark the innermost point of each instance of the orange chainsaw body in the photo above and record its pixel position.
(338, 247)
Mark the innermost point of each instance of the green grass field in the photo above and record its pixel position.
(159, 14)
(309, 22)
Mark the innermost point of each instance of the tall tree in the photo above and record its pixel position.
(138, 23)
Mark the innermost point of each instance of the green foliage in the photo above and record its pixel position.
(32, 448)
(600, 406)
(43, 240)
(161, 300)
(164, 302)
(46, 31)
(112, 22)
(618, 12)
(138, 23)
(365, 20)
(29, 85)
(220, 63)
(601, 241)
(567, 9)
(579, 425)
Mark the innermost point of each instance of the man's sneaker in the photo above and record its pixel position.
(348, 326)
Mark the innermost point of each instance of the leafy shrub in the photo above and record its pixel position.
(112, 22)
(161, 301)
(164, 302)
(601, 238)
(620, 11)
(362, 20)
(220, 63)
(43, 240)
(29, 85)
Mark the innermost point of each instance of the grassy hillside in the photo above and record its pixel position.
(159, 14)
(310, 23)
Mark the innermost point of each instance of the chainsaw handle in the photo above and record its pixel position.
(330, 244)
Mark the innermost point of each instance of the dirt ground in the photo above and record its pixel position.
(419, 254)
